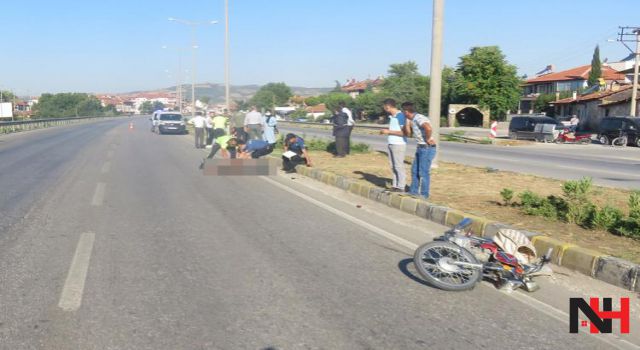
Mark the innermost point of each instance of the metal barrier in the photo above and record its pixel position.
(32, 124)
(359, 126)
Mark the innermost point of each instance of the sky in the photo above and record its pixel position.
(116, 46)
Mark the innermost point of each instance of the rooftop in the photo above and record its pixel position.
(578, 73)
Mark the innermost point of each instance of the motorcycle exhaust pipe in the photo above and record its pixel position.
(467, 264)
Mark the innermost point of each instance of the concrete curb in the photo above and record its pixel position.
(597, 265)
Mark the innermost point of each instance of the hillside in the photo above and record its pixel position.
(239, 92)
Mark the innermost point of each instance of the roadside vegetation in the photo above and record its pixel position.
(65, 105)
(576, 206)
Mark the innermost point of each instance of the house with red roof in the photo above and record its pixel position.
(355, 88)
(574, 79)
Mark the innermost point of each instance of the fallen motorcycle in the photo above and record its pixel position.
(452, 262)
(569, 136)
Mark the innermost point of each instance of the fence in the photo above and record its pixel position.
(32, 124)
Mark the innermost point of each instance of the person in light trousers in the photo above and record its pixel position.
(420, 126)
(397, 143)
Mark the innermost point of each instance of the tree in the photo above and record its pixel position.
(67, 105)
(313, 100)
(449, 89)
(405, 83)
(7, 96)
(369, 104)
(486, 78)
(157, 106)
(271, 95)
(242, 105)
(596, 68)
(146, 107)
(205, 99)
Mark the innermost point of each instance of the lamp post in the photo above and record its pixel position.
(179, 75)
(435, 90)
(194, 44)
(227, 94)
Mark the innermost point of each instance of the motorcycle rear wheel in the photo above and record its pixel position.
(433, 261)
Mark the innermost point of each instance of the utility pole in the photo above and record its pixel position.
(435, 92)
(227, 94)
(626, 35)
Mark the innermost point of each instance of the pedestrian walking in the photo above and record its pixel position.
(420, 126)
(253, 124)
(208, 123)
(351, 123)
(269, 125)
(397, 144)
(341, 132)
(198, 123)
(295, 152)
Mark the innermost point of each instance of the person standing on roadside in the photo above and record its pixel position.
(341, 132)
(350, 123)
(220, 123)
(269, 125)
(198, 123)
(208, 123)
(397, 143)
(253, 124)
(420, 126)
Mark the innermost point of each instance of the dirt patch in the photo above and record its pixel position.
(477, 191)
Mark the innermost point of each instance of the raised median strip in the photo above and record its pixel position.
(592, 263)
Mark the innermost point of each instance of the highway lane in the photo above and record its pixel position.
(175, 260)
(613, 167)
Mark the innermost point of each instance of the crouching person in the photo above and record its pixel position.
(255, 149)
(295, 152)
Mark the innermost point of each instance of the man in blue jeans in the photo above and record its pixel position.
(420, 126)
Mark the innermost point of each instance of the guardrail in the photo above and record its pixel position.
(7, 127)
(373, 127)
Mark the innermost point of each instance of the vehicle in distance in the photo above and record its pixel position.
(613, 127)
(523, 127)
(171, 123)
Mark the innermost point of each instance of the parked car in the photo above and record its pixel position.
(523, 127)
(612, 127)
(171, 122)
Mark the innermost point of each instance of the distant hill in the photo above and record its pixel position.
(238, 92)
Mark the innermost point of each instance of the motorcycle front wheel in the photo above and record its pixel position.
(435, 262)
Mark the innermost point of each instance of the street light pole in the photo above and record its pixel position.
(634, 91)
(227, 94)
(435, 90)
(194, 45)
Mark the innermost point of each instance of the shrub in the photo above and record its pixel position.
(532, 204)
(607, 218)
(579, 210)
(634, 205)
(507, 195)
(628, 227)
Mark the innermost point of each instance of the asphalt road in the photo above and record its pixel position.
(613, 167)
(112, 239)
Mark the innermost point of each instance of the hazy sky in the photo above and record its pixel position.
(115, 46)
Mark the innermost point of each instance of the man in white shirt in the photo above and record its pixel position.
(350, 123)
(208, 123)
(573, 123)
(253, 124)
(198, 123)
(420, 126)
(397, 144)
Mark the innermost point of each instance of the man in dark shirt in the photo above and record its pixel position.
(295, 152)
(341, 131)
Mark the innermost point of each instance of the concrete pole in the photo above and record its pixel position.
(436, 72)
(194, 46)
(634, 91)
(179, 86)
(227, 94)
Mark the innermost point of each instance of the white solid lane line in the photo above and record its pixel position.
(98, 195)
(71, 297)
(106, 167)
(551, 311)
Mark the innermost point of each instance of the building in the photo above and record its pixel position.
(574, 79)
(355, 88)
(591, 108)
(316, 111)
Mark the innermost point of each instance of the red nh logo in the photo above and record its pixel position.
(601, 320)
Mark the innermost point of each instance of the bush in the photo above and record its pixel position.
(628, 227)
(580, 210)
(532, 204)
(634, 205)
(607, 218)
(507, 195)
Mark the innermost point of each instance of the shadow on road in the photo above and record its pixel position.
(403, 265)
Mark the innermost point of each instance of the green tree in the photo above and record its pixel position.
(405, 83)
(157, 106)
(449, 89)
(7, 96)
(313, 100)
(596, 68)
(205, 99)
(369, 104)
(67, 105)
(271, 95)
(146, 107)
(487, 79)
(242, 105)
